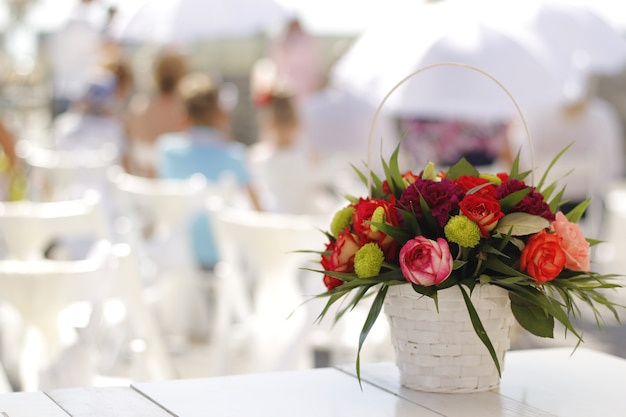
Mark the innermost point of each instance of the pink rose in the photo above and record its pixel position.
(573, 243)
(426, 262)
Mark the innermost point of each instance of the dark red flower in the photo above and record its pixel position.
(532, 203)
(442, 197)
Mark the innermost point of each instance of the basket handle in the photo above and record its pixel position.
(452, 64)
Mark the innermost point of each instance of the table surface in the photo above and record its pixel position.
(538, 382)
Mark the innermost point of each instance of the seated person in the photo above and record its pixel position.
(156, 113)
(279, 151)
(203, 148)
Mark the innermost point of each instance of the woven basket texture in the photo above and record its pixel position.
(440, 351)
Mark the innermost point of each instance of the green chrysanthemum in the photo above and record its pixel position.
(368, 260)
(341, 219)
(462, 231)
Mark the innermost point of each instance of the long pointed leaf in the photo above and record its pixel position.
(479, 329)
(375, 309)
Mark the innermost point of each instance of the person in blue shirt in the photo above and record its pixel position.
(204, 148)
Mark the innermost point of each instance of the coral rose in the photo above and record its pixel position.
(341, 258)
(426, 262)
(379, 211)
(543, 257)
(573, 243)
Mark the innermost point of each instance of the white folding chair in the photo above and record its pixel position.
(64, 174)
(156, 214)
(151, 360)
(27, 228)
(258, 253)
(39, 290)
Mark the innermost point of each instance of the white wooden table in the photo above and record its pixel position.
(540, 382)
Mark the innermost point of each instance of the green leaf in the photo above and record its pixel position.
(577, 212)
(360, 293)
(531, 317)
(463, 167)
(521, 224)
(556, 202)
(479, 329)
(360, 174)
(393, 174)
(514, 172)
(410, 222)
(430, 222)
(456, 264)
(552, 163)
(507, 203)
(496, 265)
(375, 310)
(427, 290)
(547, 192)
(402, 235)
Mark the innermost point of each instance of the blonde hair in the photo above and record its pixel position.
(200, 95)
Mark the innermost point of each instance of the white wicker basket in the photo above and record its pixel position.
(440, 351)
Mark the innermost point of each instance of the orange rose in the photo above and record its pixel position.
(573, 242)
(543, 256)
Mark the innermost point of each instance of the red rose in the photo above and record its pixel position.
(543, 256)
(341, 258)
(483, 211)
(504, 177)
(467, 182)
(364, 210)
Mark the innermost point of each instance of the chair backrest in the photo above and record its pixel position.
(155, 217)
(258, 252)
(37, 287)
(40, 290)
(163, 204)
(28, 227)
(62, 174)
(268, 241)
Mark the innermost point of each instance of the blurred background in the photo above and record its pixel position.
(303, 83)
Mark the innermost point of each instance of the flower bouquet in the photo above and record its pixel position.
(431, 231)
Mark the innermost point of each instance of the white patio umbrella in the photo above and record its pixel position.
(575, 40)
(438, 33)
(567, 30)
(185, 21)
